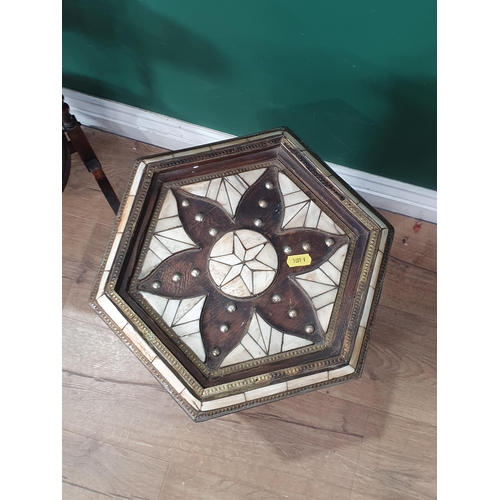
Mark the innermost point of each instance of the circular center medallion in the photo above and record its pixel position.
(243, 263)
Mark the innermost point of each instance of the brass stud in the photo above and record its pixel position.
(224, 327)
(185, 203)
(231, 307)
(329, 242)
(263, 203)
(215, 352)
(269, 185)
(276, 298)
(195, 272)
(213, 231)
(292, 313)
(287, 249)
(258, 222)
(306, 247)
(176, 277)
(156, 285)
(199, 217)
(310, 329)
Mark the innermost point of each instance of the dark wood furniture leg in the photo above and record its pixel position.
(80, 144)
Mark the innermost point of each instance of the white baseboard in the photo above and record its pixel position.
(170, 133)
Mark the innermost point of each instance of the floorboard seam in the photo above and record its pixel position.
(118, 446)
(112, 381)
(412, 265)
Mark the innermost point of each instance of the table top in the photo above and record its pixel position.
(242, 272)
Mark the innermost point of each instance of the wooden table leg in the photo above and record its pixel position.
(81, 145)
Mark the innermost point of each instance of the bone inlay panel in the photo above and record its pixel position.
(301, 211)
(262, 340)
(227, 190)
(169, 236)
(183, 316)
(243, 264)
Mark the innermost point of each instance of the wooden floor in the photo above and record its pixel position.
(125, 437)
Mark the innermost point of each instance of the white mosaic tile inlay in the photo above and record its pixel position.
(226, 190)
(169, 236)
(262, 340)
(301, 211)
(183, 317)
(322, 285)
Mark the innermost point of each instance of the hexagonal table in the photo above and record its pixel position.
(243, 272)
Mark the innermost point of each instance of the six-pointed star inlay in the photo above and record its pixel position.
(243, 263)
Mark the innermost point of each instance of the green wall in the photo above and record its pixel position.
(355, 79)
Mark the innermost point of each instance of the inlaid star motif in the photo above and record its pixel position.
(241, 265)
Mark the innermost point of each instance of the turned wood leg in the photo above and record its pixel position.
(80, 144)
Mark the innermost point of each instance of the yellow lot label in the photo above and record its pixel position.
(299, 260)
